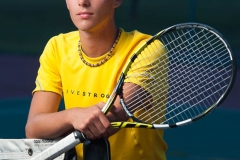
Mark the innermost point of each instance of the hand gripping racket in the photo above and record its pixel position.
(176, 77)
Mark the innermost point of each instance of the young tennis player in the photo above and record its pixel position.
(83, 67)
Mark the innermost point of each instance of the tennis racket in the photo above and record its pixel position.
(176, 77)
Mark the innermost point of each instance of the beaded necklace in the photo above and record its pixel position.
(109, 55)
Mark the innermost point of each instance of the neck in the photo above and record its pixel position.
(95, 44)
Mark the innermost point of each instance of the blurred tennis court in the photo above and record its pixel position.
(27, 25)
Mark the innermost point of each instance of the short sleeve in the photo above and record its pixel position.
(48, 78)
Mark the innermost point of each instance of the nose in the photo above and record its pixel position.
(84, 3)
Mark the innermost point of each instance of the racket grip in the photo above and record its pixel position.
(61, 146)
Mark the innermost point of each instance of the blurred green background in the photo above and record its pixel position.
(26, 26)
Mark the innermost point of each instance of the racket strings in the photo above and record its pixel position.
(143, 116)
(144, 59)
(158, 71)
(176, 73)
(175, 114)
(211, 45)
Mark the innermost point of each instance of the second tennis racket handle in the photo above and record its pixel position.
(61, 146)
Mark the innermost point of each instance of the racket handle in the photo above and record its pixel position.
(61, 146)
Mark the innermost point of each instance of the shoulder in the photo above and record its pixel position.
(129, 41)
(135, 35)
(65, 38)
(61, 46)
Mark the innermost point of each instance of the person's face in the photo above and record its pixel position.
(88, 15)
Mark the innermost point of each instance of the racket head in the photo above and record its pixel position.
(183, 73)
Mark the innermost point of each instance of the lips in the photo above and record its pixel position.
(85, 15)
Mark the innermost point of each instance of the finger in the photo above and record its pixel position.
(104, 127)
(92, 132)
(101, 105)
(88, 134)
(98, 129)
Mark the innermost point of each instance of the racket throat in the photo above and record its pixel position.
(129, 114)
(117, 91)
(119, 87)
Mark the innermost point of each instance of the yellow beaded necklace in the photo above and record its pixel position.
(109, 55)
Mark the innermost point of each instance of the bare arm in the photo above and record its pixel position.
(45, 122)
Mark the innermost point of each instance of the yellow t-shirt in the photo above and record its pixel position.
(62, 71)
